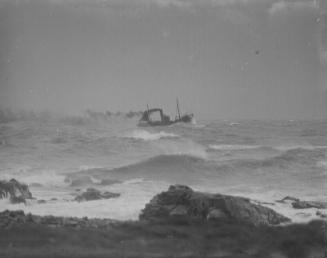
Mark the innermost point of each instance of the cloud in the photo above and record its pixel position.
(160, 3)
(282, 7)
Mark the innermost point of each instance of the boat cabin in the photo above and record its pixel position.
(154, 116)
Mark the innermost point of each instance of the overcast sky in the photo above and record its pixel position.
(222, 58)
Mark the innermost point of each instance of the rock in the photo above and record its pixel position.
(179, 211)
(94, 194)
(41, 201)
(194, 206)
(216, 214)
(288, 198)
(70, 222)
(17, 192)
(298, 204)
(309, 204)
(9, 219)
(321, 214)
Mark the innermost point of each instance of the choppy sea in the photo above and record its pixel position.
(262, 160)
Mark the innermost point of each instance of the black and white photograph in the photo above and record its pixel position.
(163, 128)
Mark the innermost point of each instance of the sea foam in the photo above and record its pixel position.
(148, 136)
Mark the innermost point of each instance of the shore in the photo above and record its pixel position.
(179, 222)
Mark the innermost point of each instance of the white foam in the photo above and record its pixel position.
(305, 147)
(232, 147)
(133, 198)
(148, 136)
(46, 177)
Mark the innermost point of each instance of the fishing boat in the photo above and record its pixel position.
(156, 117)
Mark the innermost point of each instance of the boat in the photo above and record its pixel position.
(156, 117)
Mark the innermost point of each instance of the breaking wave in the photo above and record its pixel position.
(148, 136)
(232, 147)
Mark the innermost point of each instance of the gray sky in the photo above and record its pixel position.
(222, 58)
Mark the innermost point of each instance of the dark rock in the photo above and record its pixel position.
(298, 204)
(41, 201)
(94, 194)
(17, 199)
(179, 211)
(321, 214)
(182, 201)
(108, 195)
(288, 198)
(309, 204)
(15, 191)
(109, 181)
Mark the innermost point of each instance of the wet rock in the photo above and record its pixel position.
(16, 192)
(309, 204)
(321, 214)
(288, 198)
(197, 206)
(94, 194)
(299, 204)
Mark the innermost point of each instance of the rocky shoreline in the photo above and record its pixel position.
(179, 222)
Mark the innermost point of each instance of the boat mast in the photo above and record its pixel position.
(179, 114)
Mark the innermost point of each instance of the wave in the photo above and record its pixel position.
(182, 147)
(290, 159)
(171, 168)
(148, 136)
(187, 168)
(304, 147)
(223, 147)
(36, 178)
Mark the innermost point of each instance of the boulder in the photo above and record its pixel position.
(182, 201)
(288, 198)
(94, 194)
(321, 214)
(16, 192)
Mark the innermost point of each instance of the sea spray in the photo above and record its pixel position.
(148, 136)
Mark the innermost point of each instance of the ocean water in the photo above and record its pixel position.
(262, 160)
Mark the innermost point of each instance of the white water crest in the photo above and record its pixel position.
(149, 136)
(232, 147)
